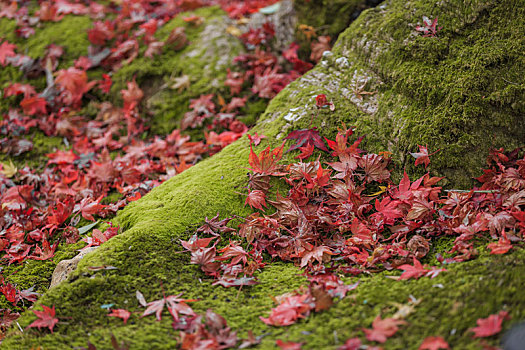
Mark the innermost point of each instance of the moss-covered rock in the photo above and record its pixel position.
(461, 92)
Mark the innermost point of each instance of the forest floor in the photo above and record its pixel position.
(130, 126)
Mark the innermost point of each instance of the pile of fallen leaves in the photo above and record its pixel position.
(348, 217)
(113, 152)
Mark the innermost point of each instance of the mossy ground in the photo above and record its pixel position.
(461, 92)
(206, 69)
(445, 88)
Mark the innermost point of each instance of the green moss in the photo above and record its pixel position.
(36, 158)
(328, 17)
(35, 273)
(70, 32)
(460, 92)
(424, 85)
(450, 305)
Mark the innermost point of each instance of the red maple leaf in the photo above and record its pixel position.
(33, 105)
(61, 157)
(266, 161)
(105, 83)
(73, 80)
(351, 344)
(17, 89)
(235, 282)
(306, 151)
(383, 329)
(58, 215)
(234, 251)
(502, 246)
(305, 137)
(422, 157)
(88, 207)
(256, 138)
(155, 307)
(7, 317)
(340, 145)
(205, 258)
(46, 318)
(434, 343)
(234, 80)
(174, 308)
(288, 345)
(375, 167)
(490, 325)
(10, 292)
(410, 271)
(289, 311)
(101, 32)
(256, 199)
(194, 243)
(387, 209)
(6, 50)
(46, 252)
(132, 96)
(120, 313)
(320, 254)
(429, 27)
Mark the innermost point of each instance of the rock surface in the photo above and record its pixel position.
(64, 268)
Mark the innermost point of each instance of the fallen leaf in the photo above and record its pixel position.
(46, 318)
(383, 329)
(120, 313)
(434, 343)
(8, 170)
(490, 325)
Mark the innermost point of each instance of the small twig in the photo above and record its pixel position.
(510, 82)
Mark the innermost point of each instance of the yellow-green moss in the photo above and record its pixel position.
(35, 273)
(70, 33)
(419, 90)
(450, 305)
(36, 158)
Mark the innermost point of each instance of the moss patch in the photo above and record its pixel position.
(329, 17)
(450, 305)
(460, 92)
